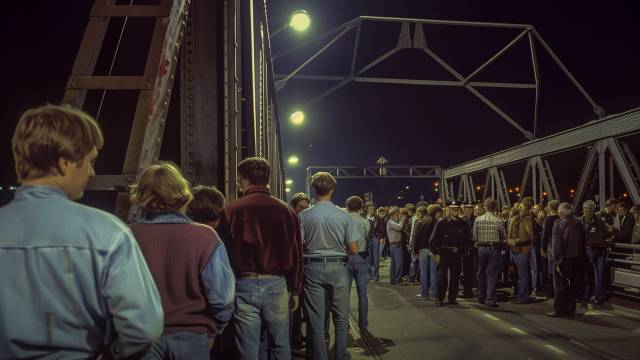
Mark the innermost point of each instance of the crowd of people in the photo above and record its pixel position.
(193, 276)
(472, 249)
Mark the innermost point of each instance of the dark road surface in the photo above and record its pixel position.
(402, 327)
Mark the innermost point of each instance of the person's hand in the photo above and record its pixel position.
(511, 242)
(294, 301)
(543, 252)
(381, 241)
(436, 259)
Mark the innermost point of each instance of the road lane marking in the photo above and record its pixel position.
(494, 318)
(519, 331)
(578, 343)
(555, 349)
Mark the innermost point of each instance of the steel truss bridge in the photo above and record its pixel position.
(217, 93)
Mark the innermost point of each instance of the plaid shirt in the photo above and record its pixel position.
(489, 229)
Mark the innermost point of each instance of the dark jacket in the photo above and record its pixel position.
(568, 239)
(626, 229)
(423, 233)
(595, 232)
(380, 229)
(263, 235)
(547, 230)
(450, 233)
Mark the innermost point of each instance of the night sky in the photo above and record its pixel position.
(409, 125)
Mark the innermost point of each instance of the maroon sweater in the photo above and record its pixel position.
(176, 255)
(262, 234)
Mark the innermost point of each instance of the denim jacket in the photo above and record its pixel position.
(72, 281)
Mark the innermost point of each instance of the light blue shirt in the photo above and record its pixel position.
(217, 277)
(327, 230)
(72, 278)
(362, 226)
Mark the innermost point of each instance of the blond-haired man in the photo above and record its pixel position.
(188, 262)
(72, 278)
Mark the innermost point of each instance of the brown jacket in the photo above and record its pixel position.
(521, 230)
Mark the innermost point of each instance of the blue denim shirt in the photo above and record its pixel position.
(327, 229)
(72, 278)
(217, 276)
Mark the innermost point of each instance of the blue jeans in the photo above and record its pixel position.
(428, 273)
(396, 263)
(533, 265)
(332, 279)
(262, 301)
(358, 268)
(414, 267)
(180, 345)
(596, 260)
(524, 274)
(489, 260)
(375, 259)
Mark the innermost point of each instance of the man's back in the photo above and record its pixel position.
(65, 269)
(263, 236)
(326, 230)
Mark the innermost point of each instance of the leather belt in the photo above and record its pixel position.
(249, 274)
(325, 259)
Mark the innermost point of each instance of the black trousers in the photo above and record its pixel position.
(449, 263)
(564, 303)
(468, 272)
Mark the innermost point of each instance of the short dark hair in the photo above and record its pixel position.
(256, 170)
(354, 203)
(491, 204)
(297, 197)
(207, 204)
(323, 183)
(527, 203)
(554, 205)
(612, 201)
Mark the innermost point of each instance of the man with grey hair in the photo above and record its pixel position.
(596, 251)
(567, 242)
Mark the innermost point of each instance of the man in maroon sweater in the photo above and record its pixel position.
(263, 237)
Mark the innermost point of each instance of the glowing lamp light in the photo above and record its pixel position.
(288, 182)
(407, 187)
(478, 188)
(544, 193)
(300, 20)
(297, 118)
(625, 195)
(287, 190)
(293, 160)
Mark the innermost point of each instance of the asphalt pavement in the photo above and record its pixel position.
(403, 327)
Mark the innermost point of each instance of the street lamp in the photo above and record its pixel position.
(299, 21)
(293, 160)
(297, 117)
(288, 182)
(287, 190)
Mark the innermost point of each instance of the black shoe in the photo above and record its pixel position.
(554, 314)
(439, 303)
(598, 302)
(452, 302)
(481, 301)
(493, 305)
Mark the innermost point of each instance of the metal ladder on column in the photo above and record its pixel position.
(154, 85)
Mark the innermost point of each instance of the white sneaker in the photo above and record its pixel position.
(422, 297)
